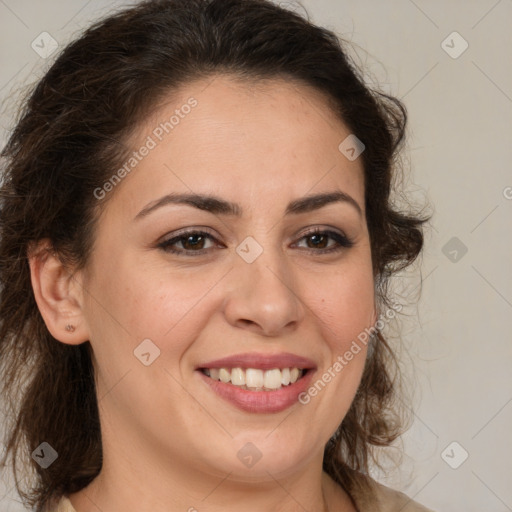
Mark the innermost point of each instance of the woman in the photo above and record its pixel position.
(196, 237)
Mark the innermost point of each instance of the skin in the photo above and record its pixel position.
(169, 442)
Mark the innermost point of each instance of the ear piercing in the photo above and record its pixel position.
(70, 328)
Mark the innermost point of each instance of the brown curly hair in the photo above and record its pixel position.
(72, 133)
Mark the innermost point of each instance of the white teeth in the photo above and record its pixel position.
(255, 379)
(272, 379)
(285, 376)
(224, 375)
(237, 377)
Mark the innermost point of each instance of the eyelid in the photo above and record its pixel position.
(186, 231)
(320, 229)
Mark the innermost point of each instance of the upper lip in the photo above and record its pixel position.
(260, 361)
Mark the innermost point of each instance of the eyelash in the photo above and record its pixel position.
(343, 242)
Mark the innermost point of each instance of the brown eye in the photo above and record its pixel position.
(318, 241)
(191, 242)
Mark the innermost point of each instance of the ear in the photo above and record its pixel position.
(58, 294)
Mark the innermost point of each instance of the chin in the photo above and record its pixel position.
(263, 459)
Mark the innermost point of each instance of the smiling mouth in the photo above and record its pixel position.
(255, 379)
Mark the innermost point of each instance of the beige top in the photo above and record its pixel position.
(381, 499)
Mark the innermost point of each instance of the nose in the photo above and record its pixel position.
(263, 297)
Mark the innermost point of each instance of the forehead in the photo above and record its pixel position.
(242, 139)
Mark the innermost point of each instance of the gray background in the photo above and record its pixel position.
(457, 337)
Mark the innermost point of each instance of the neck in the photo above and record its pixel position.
(133, 488)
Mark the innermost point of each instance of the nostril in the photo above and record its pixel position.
(246, 323)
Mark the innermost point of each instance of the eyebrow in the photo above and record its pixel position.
(219, 206)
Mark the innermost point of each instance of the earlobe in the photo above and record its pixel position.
(58, 295)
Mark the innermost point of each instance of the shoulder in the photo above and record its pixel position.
(61, 505)
(379, 498)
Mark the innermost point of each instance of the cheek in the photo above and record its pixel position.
(344, 305)
(170, 308)
(344, 308)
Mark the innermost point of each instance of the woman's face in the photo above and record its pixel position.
(255, 288)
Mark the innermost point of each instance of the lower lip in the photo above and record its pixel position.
(260, 401)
